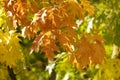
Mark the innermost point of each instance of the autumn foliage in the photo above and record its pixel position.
(6, 55)
(53, 26)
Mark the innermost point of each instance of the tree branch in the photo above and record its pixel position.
(11, 73)
(53, 75)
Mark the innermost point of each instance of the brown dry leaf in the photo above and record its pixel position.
(98, 47)
(48, 46)
(87, 7)
(47, 43)
(84, 52)
(74, 10)
(90, 51)
(99, 54)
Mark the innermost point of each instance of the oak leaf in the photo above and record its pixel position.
(90, 51)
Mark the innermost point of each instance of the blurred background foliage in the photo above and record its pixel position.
(36, 67)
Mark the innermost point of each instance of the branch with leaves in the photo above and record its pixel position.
(53, 29)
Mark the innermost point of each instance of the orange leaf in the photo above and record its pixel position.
(90, 51)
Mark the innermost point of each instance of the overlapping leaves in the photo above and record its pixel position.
(109, 70)
(54, 27)
(10, 48)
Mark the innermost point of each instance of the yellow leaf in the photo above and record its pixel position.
(11, 51)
